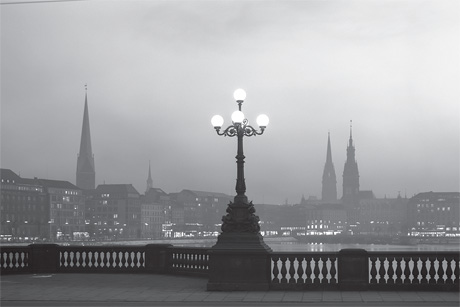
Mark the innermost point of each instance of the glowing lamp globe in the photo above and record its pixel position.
(238, 117)
(217, 121)
(239, 95)
(262, 120)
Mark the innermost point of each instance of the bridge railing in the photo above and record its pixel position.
(349, 269)
(298, 271)
(414, 270)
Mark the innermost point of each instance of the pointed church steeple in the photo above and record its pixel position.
(329, 191)
(86, 173)
(149, 180)
(350, 174)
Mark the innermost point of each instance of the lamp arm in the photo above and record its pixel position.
(229, 131)
(250, 131)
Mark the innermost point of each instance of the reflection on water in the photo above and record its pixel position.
(311, 247)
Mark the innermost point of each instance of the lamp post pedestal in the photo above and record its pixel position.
(239, 261)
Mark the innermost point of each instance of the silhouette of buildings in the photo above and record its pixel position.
(86, 172)
(58, 210)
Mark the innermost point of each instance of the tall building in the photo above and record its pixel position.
(329, 192)
(350, 175)
(115, 212)
(86, 172)
(154, 205)
(149, 180)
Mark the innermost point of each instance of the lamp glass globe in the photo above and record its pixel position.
(239, 95)
(217, 121)
(262, 120)
(238, 117)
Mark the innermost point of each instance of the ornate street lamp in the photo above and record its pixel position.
(240, 258)
(240, 217)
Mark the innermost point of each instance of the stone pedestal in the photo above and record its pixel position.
(353, 269)
(155, 257)
(44, 258)
(239, 261)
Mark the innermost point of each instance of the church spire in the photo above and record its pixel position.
(149, 180)
(329, 191)
(85, 163)
(350, 142)
(350, 174)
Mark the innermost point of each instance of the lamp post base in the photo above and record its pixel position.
(239, 261)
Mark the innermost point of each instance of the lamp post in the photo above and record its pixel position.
(240, 258)
(240, 217)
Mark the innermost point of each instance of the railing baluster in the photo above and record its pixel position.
(416, 271)
(333, 270)
(300, 270)
(382, 270)
(141, 259)
(373, 271)
(424, 271)
(456, 270)
(275, 269)
(449, 271)
(291, 269)
(283, 269)
(3, 260)
(308, 270)
(441, 272)
(20, 260)
(407, 270)
(324, 270)
(391, 271)
(432, 270)
(316, 270)
(398, 272)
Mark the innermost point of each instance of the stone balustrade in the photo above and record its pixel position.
(349, 269)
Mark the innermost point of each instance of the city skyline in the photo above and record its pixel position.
(158, 72)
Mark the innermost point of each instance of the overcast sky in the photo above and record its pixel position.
(157, 71)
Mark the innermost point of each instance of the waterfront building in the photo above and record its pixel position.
(329, 182)
(202, 211)
(434, 214)
(39, 209)
(381, 217)
(116, 212)
(86, 171)
(67, 209)
(269, 219)
(292, 220)
(154, 205)
(24, 207)
(325, 219)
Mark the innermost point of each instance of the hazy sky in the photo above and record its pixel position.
(157, 71)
